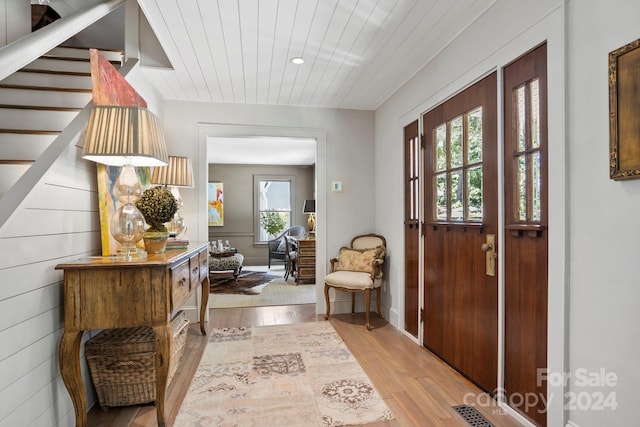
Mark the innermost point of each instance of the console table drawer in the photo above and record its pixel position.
(180, 284)
(204, 264)
(194, 267)
(308, 261)
(307, 272)
(306, 249)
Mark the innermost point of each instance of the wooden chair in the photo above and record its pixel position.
(358, 269)
(276, 246)
(291, 255)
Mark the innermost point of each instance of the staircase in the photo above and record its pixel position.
(38, 102)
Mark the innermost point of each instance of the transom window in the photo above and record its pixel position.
(526, 154)
(457, 167)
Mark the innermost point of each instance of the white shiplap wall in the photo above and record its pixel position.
(57, 222)
(15, 20)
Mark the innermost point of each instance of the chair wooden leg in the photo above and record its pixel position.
(379, 303)
(353, 303)
(326, 298)
(236, 273)
(367, 302)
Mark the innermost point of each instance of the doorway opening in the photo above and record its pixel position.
(238, 155)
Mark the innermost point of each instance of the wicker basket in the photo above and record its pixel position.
(122, 362)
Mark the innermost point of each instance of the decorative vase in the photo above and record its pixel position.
(155, 241)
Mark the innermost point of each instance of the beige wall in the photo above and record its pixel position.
(239, 204)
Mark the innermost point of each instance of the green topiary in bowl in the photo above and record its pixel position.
(158, 206)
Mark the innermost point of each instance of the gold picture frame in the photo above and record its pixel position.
(624, 112)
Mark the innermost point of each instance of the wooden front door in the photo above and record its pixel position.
(461, 215)
(526, 231)
(411, 226)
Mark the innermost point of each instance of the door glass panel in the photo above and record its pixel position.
(441, 147)
(520, 115)
(474, 193)
(521, 187)
(458, 160)
(456, 142)
(474, 139)
(441, 196)
(457, 204)
(535, 181)
(535, 114)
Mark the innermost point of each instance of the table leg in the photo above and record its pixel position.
(204, 303)
(69, 354)
(163, 354)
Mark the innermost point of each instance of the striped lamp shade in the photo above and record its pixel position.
(178, 173)
(118, 135)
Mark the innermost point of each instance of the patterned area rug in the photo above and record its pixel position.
(286, 375)
(249, 282)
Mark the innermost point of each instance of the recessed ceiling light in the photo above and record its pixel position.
(297, 60)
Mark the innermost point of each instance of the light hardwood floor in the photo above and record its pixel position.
(418, 387)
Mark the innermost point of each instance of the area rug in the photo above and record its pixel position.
(249, 282)
(299, 375)
(275, 292)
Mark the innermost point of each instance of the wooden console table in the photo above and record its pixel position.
(305, 259)
(100, 293)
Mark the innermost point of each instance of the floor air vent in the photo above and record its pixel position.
(472, 416)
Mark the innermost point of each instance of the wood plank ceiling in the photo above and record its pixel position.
(357, 53)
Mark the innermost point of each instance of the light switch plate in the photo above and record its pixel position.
(336, 186)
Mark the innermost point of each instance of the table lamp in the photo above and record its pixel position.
(178, 173)
(126, 136)
(310, 208)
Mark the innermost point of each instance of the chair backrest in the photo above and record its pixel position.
(290, 244)
(366, 241)
(295, 231)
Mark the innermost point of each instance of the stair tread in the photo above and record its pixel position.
(30, 131)
(44, 88)
(64, 73)
(16, 162)
(38, 107)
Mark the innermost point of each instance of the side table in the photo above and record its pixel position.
(305, 259)
(102, 293)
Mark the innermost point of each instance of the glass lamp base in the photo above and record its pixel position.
(133, 254)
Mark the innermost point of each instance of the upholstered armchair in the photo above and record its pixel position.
(358, 269)
(277, 246)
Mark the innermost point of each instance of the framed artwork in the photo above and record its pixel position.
(108, 204)
(624, 112)
(216, 204)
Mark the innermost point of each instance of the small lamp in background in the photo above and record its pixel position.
(178, 173)
(310, 208)
(126, 136)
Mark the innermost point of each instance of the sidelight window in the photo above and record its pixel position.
(526, 153)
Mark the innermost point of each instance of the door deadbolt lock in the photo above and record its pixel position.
(489, 248)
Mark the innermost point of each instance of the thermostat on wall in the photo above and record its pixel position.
(336, 186)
